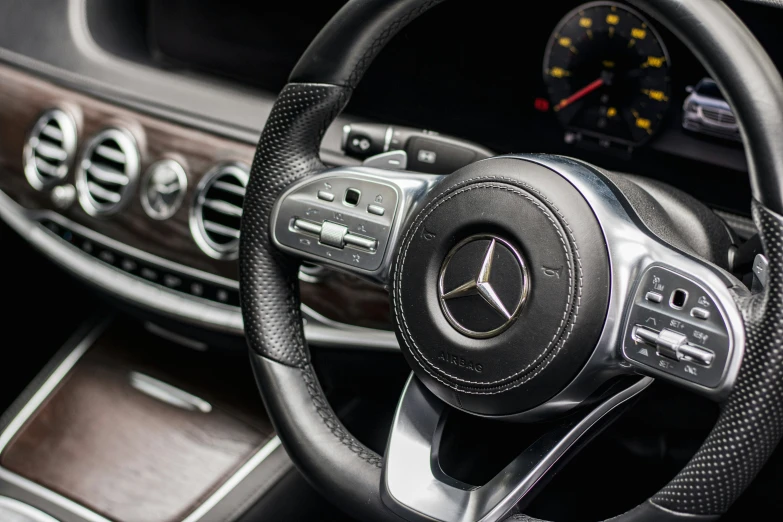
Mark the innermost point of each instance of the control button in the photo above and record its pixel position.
(87, 246)
(172, 281)
(438, 155)
(700, 313)
(653, 297)
(128, 265)
(678, 299)
(674, 345)
(197, 289)
(222, 295)
(326, 196)
(106, 256)
(63, 196)
(697, 354)
(148, 273)
(333, 234)
(352, 196)
(376, 209)
(361, 241)
(669, 342)
(648, 336)
(308, 226)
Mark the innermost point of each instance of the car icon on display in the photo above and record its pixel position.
(706, 111)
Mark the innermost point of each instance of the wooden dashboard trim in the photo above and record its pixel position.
(24, 97)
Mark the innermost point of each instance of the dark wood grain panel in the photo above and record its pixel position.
(101, 442)
(24, 97)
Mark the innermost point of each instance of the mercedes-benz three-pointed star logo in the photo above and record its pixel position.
(513, 272)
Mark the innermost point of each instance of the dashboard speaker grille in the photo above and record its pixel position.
(107, 172)
(49, 149)
(217, 210)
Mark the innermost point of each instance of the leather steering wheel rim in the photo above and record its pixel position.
(751, 420)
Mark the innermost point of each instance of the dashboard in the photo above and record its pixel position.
(125, 150)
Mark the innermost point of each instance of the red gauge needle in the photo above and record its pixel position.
(584, 91)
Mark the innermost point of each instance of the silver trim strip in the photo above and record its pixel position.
(319, 330)
(187, 342)
(15, 508)
(229, 485)
(167, 393)
(49, 385)
(412, 482)
(49, 496)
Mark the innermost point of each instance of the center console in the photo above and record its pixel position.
(125, 426)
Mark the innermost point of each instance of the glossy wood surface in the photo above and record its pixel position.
(131, 457)
(24, 97)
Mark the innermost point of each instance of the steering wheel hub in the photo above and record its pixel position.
(489, 286)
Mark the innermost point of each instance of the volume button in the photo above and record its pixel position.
(361, 242)
(308, 226)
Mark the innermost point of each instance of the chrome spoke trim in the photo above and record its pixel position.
(412, 488)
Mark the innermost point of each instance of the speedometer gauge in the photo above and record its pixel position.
(607, 74)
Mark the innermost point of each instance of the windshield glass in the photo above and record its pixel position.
(710, 88)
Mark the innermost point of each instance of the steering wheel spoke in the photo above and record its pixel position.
(349, 218)
(414, 486)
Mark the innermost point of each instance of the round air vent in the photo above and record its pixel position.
(107, 172)
(217, 209)
(49, 149)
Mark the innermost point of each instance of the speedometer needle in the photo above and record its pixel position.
(584, 91)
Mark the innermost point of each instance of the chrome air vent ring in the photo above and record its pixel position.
(49, 149)
(107, 172)
(217, 210)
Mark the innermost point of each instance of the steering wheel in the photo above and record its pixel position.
(524, 287)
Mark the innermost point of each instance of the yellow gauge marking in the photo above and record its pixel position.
(558, 72)
(611, 112)
(655, 95)
(611, 31)
(654, 61)
(564, 41)
(635, 113)
(643, 123)
(590, 34)
(638, 33)
(612, 19)
(631, 43)
(608, 64)
(585, 22)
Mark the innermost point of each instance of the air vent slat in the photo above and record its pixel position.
(223, 207)
(107, 172)
(228, 187)
(50, 152)
(102, 193)
(217, 228)
(107, 175)
(45, 168)
(53, 132)
(49, 149)
(110, 154)
(217, 210)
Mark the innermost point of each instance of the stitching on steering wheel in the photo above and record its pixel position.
(332, 422)
(572, 307)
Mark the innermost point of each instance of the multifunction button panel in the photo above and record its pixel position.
(676, 327)
(343, 219)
